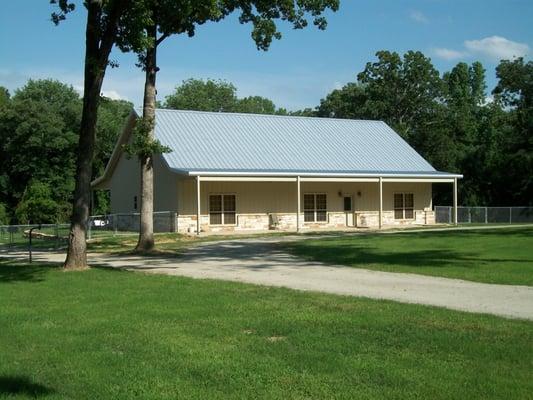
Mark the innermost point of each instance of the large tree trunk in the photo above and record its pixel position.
(146, 233)
(96, 59)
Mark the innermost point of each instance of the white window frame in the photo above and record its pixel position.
(315, 210)
(403, 208)
(222, 212)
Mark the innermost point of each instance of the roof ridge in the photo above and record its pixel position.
(266, 115)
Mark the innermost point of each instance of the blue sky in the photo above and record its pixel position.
(297, 71)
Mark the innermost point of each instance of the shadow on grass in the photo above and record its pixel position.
(362, 256)
(365, 254)
(22, 385)
(17, 272)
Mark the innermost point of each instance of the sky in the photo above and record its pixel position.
(298, 70)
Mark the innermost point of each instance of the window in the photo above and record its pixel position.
(222, 209)
(404, 204)
(315, 207)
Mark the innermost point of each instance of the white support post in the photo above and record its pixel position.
(197, 205)
(380, 202)
(455, 201)
(298, 204)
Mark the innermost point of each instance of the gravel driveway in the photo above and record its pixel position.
(262, 262)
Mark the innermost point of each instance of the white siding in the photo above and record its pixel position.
(125, 184)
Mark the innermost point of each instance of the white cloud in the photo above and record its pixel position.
(448, 54)
(494, 48)
(113, 95)
(418, 16)
(497, 48)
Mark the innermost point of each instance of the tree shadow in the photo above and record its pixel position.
(22, 385)
(366, 254)
(363, 256)
(17, 272)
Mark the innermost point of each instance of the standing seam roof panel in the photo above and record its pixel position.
(209, 141)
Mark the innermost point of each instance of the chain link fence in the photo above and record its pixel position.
(129, 223)
(484, 215)
(48, 236)
(55, 236)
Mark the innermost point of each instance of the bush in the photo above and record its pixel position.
(37, 205)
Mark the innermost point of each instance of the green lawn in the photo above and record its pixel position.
(120, 335)
(493, 256)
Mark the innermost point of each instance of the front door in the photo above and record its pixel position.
(348, 210)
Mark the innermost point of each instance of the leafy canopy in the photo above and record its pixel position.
(218, 96)
(43, 118)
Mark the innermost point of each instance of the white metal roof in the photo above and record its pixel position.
(205, 143)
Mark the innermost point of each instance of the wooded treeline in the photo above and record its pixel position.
(450, 119)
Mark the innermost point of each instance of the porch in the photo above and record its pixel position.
(225, 204)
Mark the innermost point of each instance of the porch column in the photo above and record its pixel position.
(455, 201)
(298, 203)
(380, 202)
(197, 205)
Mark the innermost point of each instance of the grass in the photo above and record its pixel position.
(112, 334)
(502, 256)
(165, 242)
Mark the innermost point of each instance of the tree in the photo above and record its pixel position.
(464, 93)
(255, 105)
(514, 91)
(217, 96)
(200, 95)
(401, 91)
(162, 19)
(43, 119)
(101, 33)
(4, 96)
(37, 205)
(347, 102)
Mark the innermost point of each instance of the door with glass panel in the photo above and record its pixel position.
(222, 209)
(347, 203)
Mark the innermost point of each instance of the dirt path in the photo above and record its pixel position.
(260, 261)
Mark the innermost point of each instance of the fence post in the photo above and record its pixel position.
(486, 215)
(510, 215)
(449, 215)
(469, 215)
(115, 224)
(89, 229)
(57, 235)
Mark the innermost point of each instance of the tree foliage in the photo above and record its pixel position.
(39, 128)
(39, 134)
(448, 120)
(37, 206)
(203, 95)
(514, 93)
(218, 96)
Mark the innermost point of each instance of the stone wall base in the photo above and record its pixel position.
(287, 222)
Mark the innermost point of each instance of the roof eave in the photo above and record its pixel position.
(420, 175)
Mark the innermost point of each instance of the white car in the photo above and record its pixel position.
(100, 222)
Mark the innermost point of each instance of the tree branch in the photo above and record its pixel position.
(161, 38)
